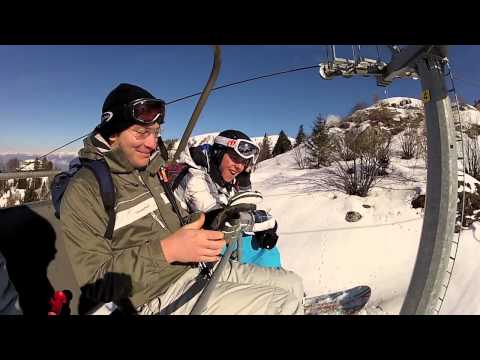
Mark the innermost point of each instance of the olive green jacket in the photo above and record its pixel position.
(132, 264)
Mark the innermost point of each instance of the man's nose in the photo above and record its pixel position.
(151, 141)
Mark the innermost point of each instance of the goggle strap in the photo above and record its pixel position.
(232, 143)
(226, 141)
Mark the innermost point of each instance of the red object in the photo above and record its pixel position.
(56, 302)
(173, 170)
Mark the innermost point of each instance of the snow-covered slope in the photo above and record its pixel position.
(379, 250)
(403, 107)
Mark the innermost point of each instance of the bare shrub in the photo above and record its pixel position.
(472, 157)
(300, 156)
(408, 143)
(422, 146)
(359, 159)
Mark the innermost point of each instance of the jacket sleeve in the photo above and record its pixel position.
(106, 274)
(198, 193)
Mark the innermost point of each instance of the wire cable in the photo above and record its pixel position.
(196, 94)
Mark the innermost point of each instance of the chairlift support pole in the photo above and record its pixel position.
(442, 178)
(217, 63)
(426, 62)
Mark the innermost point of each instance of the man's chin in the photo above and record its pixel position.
(141, 163)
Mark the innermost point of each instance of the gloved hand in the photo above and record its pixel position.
(216, 219)
(243, 181)
(263, 221)
(265, 239)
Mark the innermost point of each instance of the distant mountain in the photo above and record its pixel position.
(60, 160)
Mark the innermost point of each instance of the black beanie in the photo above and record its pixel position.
(113, 114)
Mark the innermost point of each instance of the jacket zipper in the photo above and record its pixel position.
(158, 220)
(162, 224)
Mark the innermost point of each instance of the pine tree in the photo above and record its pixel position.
(30, 195)
(36, 183)
(170, 144)
(476, 103)
(45, 164)
(44, 192)
(36, 164)
(3, 186)
(319, 144)
(300, 136)
(283, 144)
(22, 184)
(265, 149)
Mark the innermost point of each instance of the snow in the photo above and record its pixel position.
(470, 116)
(398, 100)
(333, 120)
(379, 250)
(469, 184)
(27, 165)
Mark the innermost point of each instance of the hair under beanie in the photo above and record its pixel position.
(113, 113)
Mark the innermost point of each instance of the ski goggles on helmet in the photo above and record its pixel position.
(142, 111)
(245, 148)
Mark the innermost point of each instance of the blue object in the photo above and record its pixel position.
(250, 254)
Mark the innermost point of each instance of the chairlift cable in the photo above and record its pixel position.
(244, 81)
(51, 152)
(196, 94)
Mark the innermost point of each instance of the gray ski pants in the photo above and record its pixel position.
(242, 289)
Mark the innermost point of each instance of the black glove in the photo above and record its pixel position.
(243, 181)
(216, 219)
(265, 239)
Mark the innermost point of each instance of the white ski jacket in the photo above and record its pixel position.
(198, 192)
(197, 188)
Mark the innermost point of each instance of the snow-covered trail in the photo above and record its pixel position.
(379, 250)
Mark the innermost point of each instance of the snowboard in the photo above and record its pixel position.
(346, 302)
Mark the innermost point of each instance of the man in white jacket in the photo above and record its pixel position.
(218, 172)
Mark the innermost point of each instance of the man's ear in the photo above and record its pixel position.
(112, 139)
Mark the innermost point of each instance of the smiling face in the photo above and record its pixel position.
(137, 143)
(232, 165)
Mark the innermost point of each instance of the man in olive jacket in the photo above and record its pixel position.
(151, 259)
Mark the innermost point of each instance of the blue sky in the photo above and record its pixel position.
(52, 94)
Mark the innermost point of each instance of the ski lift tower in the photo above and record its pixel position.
(427, 287)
